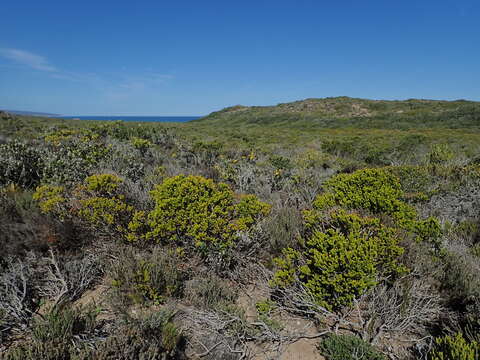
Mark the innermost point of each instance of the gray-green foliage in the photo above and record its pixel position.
(348, 347)
(20, 164)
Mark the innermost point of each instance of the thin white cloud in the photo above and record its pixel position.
(114, 86)
(29, 59)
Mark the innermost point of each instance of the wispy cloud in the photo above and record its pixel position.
(117, 86)
(29, 59)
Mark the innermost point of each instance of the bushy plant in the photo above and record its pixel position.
(62, 324)
(348, 347)
(51, 198)
(378, 191)
(70, 159)
(455, 348)
(152, 277)
(341, 261)
(440, 154)
(103, 211)
(97, 202)
(196, 211)
(20, 164)
(374, 190)
(152, 337)
(141, 144)
(56, 336)
(210, 292)
(103, 183)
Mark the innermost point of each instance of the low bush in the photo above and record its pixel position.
(69, 160)
(455, 348)
(58, 335)
(20, 164)
(98, 202)
(348, 347)
(379, 192)
(152, 337)
(141, 145)
(194, 211)
(283, 227)
(342, 261)
(210, 292)
(149, 277)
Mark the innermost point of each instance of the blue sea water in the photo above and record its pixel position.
(135, 118)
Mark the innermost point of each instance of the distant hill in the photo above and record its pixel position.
(29, 113)
(337, 112)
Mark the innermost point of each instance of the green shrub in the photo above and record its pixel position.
(196, 211)
(377, 191)
(141, 144)
(455, 348)
(152, 277)
(97, 202)
(103, 183)
(348, 347)
(20, 164)
(210, 292)
(103, 211)
(56, 336)
(343, 261)
(374, 190)
(51, 198)
(71, 159)
(440, 154)
(50, 350)
(152, 337)
(62, 324)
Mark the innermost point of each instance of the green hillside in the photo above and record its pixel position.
(338, 112)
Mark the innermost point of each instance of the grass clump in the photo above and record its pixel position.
(152, 337)
(348, 347)
(149, 278)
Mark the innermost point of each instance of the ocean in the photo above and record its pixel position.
(135, 118)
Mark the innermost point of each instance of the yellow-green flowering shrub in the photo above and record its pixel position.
(342, 259)
(57, 137)
(103, 183)
(102, 204)
(455, 348)
(106, 211)
(97, 202)
(51, 198)
(377, 191)
(196, 210)
(141, 144)
(249, 210)
(372, 189)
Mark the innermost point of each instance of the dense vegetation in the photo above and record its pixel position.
(357, 219)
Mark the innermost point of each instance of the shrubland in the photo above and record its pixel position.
(138, 241)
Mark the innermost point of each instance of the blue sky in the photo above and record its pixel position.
(192, 57)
